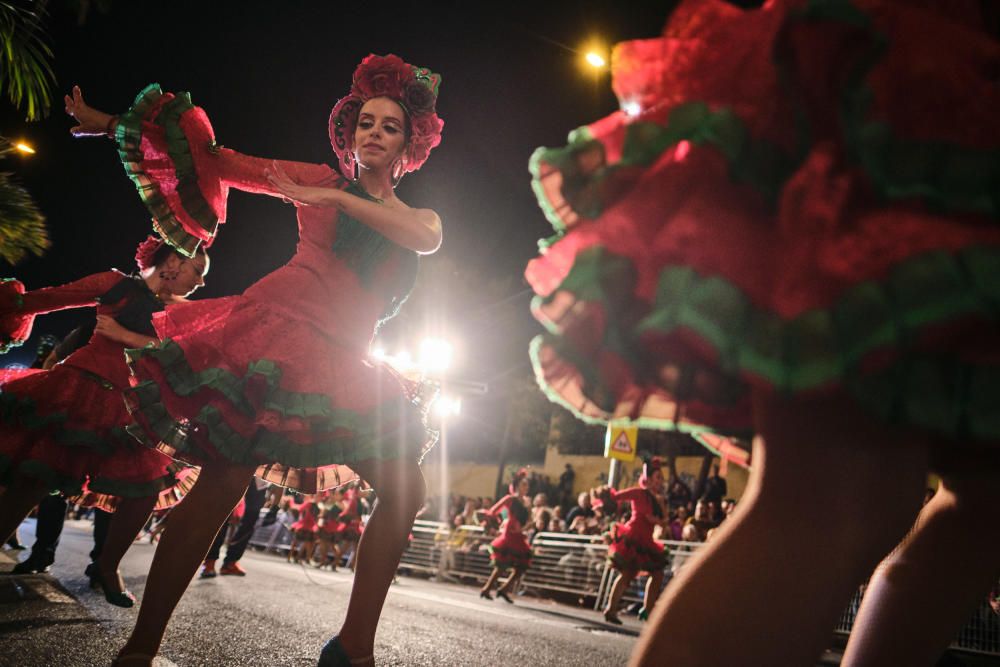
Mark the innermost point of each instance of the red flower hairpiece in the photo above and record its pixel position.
(413, 88)
(146, 250)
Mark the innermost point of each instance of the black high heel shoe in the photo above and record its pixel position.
(485, 595)
(505, 597)
(334, 655)
(122, 598)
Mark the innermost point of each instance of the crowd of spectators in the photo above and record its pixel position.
(556, 510)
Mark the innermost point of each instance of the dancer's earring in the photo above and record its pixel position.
(398, 170)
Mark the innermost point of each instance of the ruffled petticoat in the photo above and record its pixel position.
(800, 199)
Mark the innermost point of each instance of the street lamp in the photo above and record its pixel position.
(595, 59)
(8, 146)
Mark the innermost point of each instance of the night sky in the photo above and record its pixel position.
(267, 74)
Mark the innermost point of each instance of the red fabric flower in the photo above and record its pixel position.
(145, 252)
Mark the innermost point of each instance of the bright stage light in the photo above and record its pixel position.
(378, 353)
(447, 406)
(24, 148)
(595, 59)
(435, 355)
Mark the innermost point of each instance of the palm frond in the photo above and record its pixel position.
(22, 225)
(26, 75)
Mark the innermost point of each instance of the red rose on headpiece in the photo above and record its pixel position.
(418, 99)
(381, 75)
(145, 252)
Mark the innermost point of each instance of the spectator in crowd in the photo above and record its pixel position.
(677, 524)
(582, 508)
(679, 494)
(557, 524)
(566, 480)
(715, 486)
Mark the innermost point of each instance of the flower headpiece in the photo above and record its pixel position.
(413, 88)
(518, 476)
(146, 251)
(648, 468)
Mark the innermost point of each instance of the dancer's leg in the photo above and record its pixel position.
(618, 589)
(922, 593)
(17, 501)
(802, 536)
(185, 541)
(653, 586)
(401, 489)
(508, 586)
(129, 518)
(491, 581)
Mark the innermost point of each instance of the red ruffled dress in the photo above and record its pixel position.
(278, 377)
(308, 522)
(800, 198)
(66, 426)
(350, 527)
(632, 547)
(511, 548)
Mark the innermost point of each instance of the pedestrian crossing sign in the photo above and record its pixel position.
(620, 442)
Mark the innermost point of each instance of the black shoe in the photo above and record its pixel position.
(122, 598)
(334, 655)
(505, 597)
(485, 595)
(28, 566)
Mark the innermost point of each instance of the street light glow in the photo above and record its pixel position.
(595, 59)
(22, 147)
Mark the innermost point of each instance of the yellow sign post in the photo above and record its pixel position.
(620, 442)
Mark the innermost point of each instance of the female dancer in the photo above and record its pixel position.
(304, 531)
(63, 430)
(633, 549)
(329, 528)
(276, 380)
(791, 229)
(510, 551)
(349, 532)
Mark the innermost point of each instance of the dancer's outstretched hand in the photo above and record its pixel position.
(300, 195)
(90, 121)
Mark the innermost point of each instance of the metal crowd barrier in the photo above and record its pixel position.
(576, 564)
(678, 554)
(980, 635)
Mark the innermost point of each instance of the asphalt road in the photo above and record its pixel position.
(281, 614)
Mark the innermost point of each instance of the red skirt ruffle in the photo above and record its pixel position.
(792, 199)
(634, 550)
(66, 427)
(237, 381)
(510, 550)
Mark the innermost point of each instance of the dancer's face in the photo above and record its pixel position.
(523, 485)
(183, 275)
(655, 481)
(380, 135)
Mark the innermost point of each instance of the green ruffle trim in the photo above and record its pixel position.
(128, 135)
(23, 412)
(947, 177)
(762, 165)
(361, 438)
(54, 482)
(825, 347)
(122, 489)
